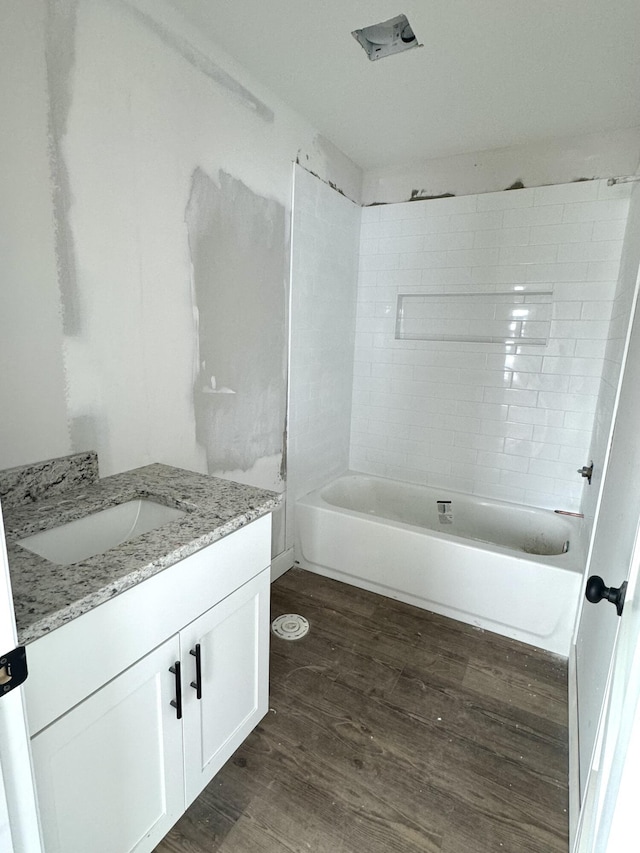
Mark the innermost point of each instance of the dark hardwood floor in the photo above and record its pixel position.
(392, 729)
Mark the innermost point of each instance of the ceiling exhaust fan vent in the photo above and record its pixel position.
(392, 36)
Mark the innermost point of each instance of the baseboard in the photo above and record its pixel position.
(281, 564)
(574, 754)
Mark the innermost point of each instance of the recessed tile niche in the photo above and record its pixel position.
(496, 317)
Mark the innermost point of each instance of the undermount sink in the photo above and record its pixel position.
(94, 534)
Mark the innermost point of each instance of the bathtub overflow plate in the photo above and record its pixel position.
(290, 626)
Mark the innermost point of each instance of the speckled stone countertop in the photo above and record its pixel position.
(47, 596)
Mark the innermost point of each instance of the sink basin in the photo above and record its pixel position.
(96, 533)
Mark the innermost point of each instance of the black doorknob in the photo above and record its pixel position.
(596, 591)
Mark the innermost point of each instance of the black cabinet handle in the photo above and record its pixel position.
(177, 702)
(197, 684)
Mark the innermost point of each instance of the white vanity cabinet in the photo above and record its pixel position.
(115, 766)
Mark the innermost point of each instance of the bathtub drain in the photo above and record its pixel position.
(290, 626)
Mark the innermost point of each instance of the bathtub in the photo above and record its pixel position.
(502, 567)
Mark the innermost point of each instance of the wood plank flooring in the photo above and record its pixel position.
(392, 729)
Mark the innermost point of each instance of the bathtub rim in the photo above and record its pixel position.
(572, 561)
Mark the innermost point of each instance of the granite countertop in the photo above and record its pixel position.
(47, 596)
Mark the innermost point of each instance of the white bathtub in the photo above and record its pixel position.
(506, 568)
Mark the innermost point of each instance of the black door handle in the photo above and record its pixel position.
(596, 591)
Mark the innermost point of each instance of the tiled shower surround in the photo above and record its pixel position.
(323, 310)
(511, 421)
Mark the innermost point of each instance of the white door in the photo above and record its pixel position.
(19, 826)
(608, 822)
(612, 547)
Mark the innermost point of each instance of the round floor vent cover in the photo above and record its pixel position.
(290, 626)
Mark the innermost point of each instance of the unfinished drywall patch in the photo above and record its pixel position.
(321, 159)
(200, 61)
(535, 164)
(237, 242)
(423, 195)
(60, 60)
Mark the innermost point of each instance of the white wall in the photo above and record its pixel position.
(32, 384)
(556, 161)
(324, 274)
(150, 118)
(510, 422)
(132, 103)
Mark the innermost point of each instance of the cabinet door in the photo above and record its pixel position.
(109, 772)
(234, 653)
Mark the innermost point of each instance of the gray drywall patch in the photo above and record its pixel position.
(237, 242)
(201, 62)
(60, 59)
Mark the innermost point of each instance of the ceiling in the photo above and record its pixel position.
(492, 73)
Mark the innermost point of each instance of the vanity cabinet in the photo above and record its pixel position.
(117, 768)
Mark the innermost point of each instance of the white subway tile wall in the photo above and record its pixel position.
(326, 229)
(507, 421)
